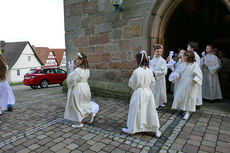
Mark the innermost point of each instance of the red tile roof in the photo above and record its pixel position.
(43, 52)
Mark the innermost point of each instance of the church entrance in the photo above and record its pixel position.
(175, 23)
(204, 21)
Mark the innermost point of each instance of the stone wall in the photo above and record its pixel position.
(109, 38)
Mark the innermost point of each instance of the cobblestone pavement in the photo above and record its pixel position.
(37, 125)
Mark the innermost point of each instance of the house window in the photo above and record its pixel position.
(29, 58)
(18, 72)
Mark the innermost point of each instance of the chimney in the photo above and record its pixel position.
(2, 43)
(33, 47)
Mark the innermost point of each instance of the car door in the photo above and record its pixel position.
(61, 75)
(52, 76)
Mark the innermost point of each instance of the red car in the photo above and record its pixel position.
(44, 77)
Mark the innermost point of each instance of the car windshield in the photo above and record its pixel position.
(31, 71)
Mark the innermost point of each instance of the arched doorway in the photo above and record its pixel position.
(162, 28)
(174, 23)
(204, 21)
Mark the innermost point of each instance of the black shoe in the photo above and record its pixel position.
(10, 109)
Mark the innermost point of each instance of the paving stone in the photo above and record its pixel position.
(33, 146)
(97, 147)
(194, 142)
(207, 148)
(7, 147)
(84, 147)
(124, 147)
(222, 149)
(190, 148)
(68, 141)
(210, 137)
(18, 148)
(64, 150)
(58, 146)
(224, 138)
(40, 137)
(180, 141)
(72, 146)
(208, 143)
(41, 149)
(115, 143)
(59, 139)
(88, 136)
(91, 142)
(25, 150)
(134, 150)
(176, 146)
(118, 151)
(109, 148)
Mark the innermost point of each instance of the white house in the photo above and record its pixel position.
(63, 62)
(20, 58)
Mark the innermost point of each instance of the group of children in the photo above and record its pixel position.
(193, 79)
(149, 85)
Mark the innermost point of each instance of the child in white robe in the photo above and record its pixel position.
(6, 94)
(188, 74)
(192, 47)
(142, 115)
(159, 67)
(78, 104)
(210, 66)
(177, 65)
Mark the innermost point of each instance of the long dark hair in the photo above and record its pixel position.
(190, 57)
(145, 61)
(3, 68)
(85, 63)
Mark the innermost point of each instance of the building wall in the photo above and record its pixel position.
(23, 65)
(110, 39)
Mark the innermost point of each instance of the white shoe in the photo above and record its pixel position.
(77, 125)
(158, 133)
(125, 130)
(186, 116)
(92, 119)
(162, 105)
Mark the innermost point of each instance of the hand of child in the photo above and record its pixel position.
(204, 66)
(194, 81)
(168, 59)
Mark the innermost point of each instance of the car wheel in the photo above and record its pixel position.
(34, 86)
(44, 84)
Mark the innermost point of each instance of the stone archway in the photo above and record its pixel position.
(157, 18)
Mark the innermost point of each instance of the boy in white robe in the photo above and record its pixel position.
(159, 67)
(188, 74)
(192, 47)
(78, 104)
(142, 115)
(210, 66)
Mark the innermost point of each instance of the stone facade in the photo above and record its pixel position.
(110, 39)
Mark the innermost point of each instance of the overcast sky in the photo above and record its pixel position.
(41, 22)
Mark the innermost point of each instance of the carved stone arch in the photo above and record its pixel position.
(157, 18)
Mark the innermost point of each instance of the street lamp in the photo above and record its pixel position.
(118, 5)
